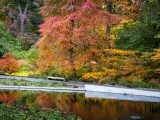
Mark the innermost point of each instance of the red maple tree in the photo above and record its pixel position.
(75, 40)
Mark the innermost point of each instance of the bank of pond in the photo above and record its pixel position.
(23, 105)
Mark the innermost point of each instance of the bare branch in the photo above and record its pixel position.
(19, 7)
(26, 8)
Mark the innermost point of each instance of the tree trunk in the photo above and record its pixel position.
(108, 32)
(108, 26)
(72, 56)
(22, 24)
(72, 64)
(23, 17)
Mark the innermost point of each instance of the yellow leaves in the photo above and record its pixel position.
(112, 59)
(111, 72)
(99, 75)
(119, 52)
(130, 22)
(116, 58)
(93, 75)
(158, 70)
(120, 27)
(117, 63)
(158, 50)
(122, 24)
(126, 65)
(101, 30)
(132, 69)
(157, 56)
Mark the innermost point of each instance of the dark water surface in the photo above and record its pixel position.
(86, 108)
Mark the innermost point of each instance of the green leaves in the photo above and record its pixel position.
(7, 42)
(14, 113)
(22, 82)
(142, 35)
(157, 36)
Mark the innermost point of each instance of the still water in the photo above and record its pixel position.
(86, 108)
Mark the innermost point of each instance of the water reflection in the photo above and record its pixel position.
(121, 97)
(87, 108)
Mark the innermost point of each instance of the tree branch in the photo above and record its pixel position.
(19, 7)
(26, 8)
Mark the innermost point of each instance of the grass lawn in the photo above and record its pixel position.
(15, 82)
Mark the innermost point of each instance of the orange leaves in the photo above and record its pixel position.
(8, 64)
(71, 40)
(9, 97)
(74, 40)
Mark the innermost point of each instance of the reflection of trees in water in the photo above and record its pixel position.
(9, 97)
(89, 108)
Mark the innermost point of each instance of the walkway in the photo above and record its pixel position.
(71, 83)
(91, 90)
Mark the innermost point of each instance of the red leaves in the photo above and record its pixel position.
(49, 24)
(8, 64)
(73, 17)
(88, 5)
(75, 39)
(8, 56)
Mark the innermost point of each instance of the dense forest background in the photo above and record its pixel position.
(102, 41)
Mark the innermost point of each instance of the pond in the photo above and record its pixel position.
(86, 108)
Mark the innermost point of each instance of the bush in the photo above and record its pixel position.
(120, 66)
(30, 56)
(8, 64)
(8, 43)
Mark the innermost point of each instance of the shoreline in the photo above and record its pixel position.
(82, 88)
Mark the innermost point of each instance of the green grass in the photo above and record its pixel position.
(15, 113)
(22, 82)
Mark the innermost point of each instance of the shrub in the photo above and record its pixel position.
(126, 67)
(8, 64)
(100, 76)
(8, 43)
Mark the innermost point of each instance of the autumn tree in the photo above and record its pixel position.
(8, 64)
(128, 8)
(75, 39)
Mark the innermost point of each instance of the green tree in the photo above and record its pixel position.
(22, 18)
(142, 34)
(7, 42)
